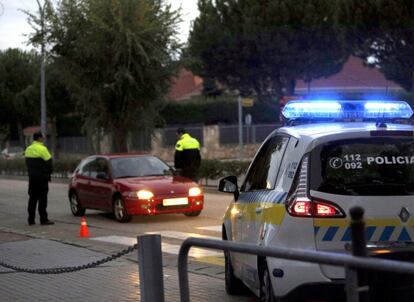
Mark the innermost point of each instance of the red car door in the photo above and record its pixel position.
(101, 185)
(82, 183)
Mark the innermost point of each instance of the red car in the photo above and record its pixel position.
(132, 184)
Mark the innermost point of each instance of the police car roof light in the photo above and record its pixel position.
(344, 109)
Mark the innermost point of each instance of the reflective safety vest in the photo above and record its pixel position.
(187, 142)
(37, 150)
(38, 161)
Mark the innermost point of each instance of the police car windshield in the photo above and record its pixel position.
(364, 167)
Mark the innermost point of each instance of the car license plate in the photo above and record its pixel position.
(174, 201)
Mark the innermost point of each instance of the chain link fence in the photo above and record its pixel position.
(70, 269)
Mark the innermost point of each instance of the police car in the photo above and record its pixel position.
(301, 184)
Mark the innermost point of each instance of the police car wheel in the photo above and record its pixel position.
(75, 206)
(192, 214)
(233, 284)
(266, 289)
(120, 211)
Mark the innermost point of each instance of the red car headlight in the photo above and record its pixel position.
(194, 191)
(142, 194)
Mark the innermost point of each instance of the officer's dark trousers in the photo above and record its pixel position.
(38, 189)
(190, 173)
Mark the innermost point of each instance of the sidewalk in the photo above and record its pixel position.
(117, 280)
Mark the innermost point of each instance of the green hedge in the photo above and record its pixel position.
(210, 169)
(215, 169)
(61, 168)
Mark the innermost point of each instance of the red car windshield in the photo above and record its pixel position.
(124, 167)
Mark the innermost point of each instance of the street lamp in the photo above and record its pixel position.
(43, 117)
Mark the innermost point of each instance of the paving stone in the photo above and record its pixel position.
(115, 281)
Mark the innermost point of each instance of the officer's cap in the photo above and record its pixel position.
(181, 131)
(37, 135)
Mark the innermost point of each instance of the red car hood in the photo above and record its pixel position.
(159, 185)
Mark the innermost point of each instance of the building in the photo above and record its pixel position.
(185, 85)
(355, 77)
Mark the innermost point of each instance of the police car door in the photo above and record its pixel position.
(257, 193)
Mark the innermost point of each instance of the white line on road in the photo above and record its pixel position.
(166, 247)
(182, 235)
(215, 228)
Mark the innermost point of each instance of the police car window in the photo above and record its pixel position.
(364, 167)
(263, 172)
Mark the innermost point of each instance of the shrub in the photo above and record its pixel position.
(215, 169)
(62, 168)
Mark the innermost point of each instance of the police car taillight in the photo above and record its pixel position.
(299, 203)
(304, 207)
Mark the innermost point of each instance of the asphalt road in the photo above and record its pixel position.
(109, 236)
(13, 201)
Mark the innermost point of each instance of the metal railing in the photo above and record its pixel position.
(351, 262)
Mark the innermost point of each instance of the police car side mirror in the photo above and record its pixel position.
(228, 185)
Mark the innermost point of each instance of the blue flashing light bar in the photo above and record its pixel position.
(343, 110)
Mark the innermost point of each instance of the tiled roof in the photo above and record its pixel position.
(354, 76)
(185, 85)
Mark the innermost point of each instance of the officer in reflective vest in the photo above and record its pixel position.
(39, 168)
(187, 157)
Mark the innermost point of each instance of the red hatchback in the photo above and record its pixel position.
(132, 184)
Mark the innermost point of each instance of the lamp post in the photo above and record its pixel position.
(43, 127)
(240, 116)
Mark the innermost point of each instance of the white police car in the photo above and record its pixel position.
(301, 184)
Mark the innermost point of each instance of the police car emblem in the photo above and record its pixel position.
(404, 214)
(335, 162)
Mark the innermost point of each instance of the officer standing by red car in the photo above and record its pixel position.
(39, 167)
(187, 157)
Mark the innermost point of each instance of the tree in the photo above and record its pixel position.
(262, 47)
(18, 97)
(382, 30)
(117, 58)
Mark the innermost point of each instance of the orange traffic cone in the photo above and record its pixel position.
(84, 228)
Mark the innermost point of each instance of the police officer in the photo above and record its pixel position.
(39, 168)
(187, 157)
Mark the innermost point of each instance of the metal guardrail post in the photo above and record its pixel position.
(356, 279)
(151, 276)
(359, 243)
(183, 273)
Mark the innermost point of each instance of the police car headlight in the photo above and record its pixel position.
(194, 191)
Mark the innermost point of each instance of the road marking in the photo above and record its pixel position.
(216, 260)
(166, 247)
(215, 228)
(182, 235)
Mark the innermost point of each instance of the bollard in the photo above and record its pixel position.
(359, 248)
(359, 243)
(151, 278)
